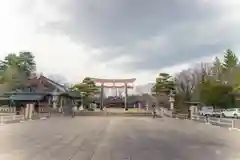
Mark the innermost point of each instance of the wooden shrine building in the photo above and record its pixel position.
(44, 93)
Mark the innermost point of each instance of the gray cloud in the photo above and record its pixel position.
(156, 33)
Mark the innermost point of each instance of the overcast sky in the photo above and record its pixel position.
(118, 38)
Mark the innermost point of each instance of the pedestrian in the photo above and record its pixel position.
(154, 110)
(73, 111)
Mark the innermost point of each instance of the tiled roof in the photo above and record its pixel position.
(23, 97)
(55, 84)
(43, 82)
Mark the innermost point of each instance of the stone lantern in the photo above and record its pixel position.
(171, 99)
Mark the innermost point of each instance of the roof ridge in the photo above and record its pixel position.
(52, 81)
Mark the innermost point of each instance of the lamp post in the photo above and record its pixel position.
(81, 107)
(171, 99)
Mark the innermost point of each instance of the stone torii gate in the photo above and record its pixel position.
(126, 84)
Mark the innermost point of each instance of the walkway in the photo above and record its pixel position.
(116, 138)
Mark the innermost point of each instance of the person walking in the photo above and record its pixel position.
(154, 110)
(73, 111)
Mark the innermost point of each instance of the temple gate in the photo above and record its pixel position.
(104, 83)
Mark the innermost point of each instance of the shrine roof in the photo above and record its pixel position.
(22, 97)
(28, 93)
(43, 82)
(57, 85)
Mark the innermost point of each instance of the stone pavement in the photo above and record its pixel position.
(117, 138)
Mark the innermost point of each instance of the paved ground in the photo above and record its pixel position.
(117, 138)
(237, 123)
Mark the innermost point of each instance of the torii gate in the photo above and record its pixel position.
(127, 84)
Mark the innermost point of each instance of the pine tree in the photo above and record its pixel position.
(164, 83)
(230, 60)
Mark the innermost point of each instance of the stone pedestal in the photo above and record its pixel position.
(75, 109)
(139, 105)
(26, 111)
(171, 105)
(171, 100)
(54, 104)
(81, 108)
(31, 109)
(161, 112)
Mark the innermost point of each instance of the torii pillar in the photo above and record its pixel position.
(126, 96)
(101, 96)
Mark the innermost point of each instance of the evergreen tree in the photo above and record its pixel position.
(164, 83)
(230, 60)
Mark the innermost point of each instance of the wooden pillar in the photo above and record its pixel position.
(61, 101)
(54, 99)
(54, 104)
(49, 100)
(61, 104)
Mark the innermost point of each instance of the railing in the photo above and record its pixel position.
(18, 118)
(199, 118)
(222, 122)
(181, 116)
(9, 119)
(7, 109)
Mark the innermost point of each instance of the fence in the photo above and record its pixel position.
(199, 118)
(181, 116)
(7, 109)
(222, 122)
(10, 119)
(18, 118)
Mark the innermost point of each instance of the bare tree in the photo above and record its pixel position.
(217, 70)
(187, 81)
(184, 82)
(58, 78)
